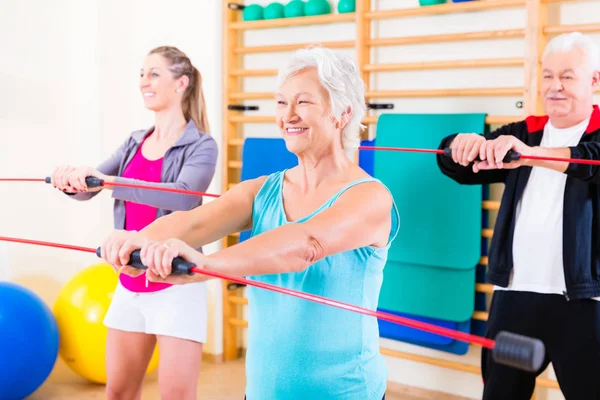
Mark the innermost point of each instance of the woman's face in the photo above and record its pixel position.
(157, 85)
(303, 113)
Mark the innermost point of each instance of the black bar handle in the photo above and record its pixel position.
(510, 156)
(179, 266)
(90, 181)
(384, 106)
(241, 107)
(235, 6)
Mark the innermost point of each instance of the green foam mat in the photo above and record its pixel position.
(431, 264)
(440, 220)
(432, 292)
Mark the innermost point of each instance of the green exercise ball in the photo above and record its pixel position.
(273, 11)
(293, 9)
(346, 6)
(252, 12)
(317, 7)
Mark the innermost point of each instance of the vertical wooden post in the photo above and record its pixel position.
(363, 50)
(231, 83)
(535, 41)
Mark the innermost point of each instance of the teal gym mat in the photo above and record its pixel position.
(431, 264)
(440, 220)
(428, 291)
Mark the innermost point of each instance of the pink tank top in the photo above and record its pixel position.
(138, 216)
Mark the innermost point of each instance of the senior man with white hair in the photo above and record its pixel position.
(545, 256)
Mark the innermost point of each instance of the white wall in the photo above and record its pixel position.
(69, 95)
(69, 80)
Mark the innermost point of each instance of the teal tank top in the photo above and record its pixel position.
(299, 349)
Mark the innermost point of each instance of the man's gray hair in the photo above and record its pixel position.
(569, 41)
(339, 75)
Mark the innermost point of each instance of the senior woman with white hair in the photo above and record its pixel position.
(323, 227)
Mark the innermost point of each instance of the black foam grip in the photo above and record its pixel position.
(510, 156)
(519, 351)
(178, 267)
(90, 181)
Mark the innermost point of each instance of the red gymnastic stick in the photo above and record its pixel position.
(509, 349)
(510, 156)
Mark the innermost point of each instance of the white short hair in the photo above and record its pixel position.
(569, 41)
(339, 75)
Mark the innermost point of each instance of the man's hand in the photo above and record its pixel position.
(492, 153)
(158, 257)
(466, 147)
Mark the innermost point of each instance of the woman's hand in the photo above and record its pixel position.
(60, 178)
(76, 179)
(117, 248)
(158, 257)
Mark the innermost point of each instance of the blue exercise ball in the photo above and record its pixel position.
(28, 341)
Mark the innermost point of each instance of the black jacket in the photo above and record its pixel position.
(581, 217)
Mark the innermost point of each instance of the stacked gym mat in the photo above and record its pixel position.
(431, 271)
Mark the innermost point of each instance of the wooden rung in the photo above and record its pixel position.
(430, 360)
(238, 322)
(502, 119)
(251, 95)
(345, 44)
(378, 94)
(490, 205)
(236, 142)
(370, 119)
(252, 118)
(490, 119)
(235, 235)
(547, 383)
(237, 300)
(452, 37)
(487, 233)
(484, 260)
(235, 164)
(484, 288)
(473, 369)
(230, 185)
(253, 72)
(480, 315)
(583, 28)
(428, 65)
(285, 22)
(444, 9)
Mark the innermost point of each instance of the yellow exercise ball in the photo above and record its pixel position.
(79, 310)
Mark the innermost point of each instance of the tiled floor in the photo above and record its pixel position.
(217, 382)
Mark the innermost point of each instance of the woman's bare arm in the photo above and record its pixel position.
(227, 214)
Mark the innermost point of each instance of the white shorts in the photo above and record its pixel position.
(179, 311)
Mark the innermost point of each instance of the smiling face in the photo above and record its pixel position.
(303, 113)
(159, 89)
(568, 85)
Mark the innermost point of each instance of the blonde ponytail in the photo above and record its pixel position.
(193, 104)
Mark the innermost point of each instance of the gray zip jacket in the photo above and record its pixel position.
(189, 165)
